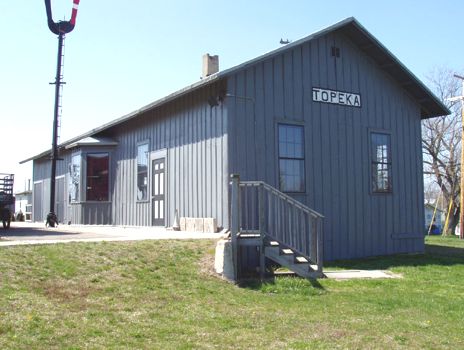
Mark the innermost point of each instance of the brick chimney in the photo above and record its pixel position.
(210, 65)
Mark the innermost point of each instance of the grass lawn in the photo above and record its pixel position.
(163, 295)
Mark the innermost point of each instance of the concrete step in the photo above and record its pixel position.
(287, 251)
(286, 257)
(273, 246)
(301, 260)
(288, 254)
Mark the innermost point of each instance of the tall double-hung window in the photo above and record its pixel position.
(291, 158)
(381, 163)
(142, 172)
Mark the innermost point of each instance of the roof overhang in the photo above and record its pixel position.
(92, 141)
(85, 141)
(23, 193)
(430, 105)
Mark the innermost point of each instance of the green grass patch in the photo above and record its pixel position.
(164, 295)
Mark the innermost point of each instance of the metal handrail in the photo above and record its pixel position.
(283, 196)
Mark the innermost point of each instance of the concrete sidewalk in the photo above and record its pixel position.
(21, 233)
(356, 274)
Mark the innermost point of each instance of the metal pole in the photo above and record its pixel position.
(52, 219)
(262, 258)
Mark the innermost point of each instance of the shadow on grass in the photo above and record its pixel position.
(256, 284)
(434, 255)
(444, 250)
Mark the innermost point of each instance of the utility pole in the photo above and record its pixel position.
(461, 189)
(60, 28)
(52, 219)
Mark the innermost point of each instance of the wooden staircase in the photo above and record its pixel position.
(292, 260)
(283, 229)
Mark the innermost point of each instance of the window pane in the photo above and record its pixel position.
(282, 133)
(282, 148)
(156, 185)
(97, 177)
(161, 185)
(298, 141)
(291, 175)
(291, 141)
(380, 145)
(142, 172)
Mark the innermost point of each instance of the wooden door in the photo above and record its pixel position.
(158, 192)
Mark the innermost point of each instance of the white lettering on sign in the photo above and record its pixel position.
(336, 97)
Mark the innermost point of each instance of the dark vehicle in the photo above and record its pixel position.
(6, 198)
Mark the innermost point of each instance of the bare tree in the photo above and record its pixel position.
(432, 194)
(441, 143)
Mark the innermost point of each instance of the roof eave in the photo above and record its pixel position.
(129, 116)
(430, 105)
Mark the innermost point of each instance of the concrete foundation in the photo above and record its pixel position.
(223, 261)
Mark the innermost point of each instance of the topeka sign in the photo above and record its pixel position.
(336, 97)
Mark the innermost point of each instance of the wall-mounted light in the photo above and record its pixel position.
(213, 101)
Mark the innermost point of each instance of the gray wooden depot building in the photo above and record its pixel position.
(331, 121)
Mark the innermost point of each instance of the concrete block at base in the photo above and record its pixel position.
(209, 225)
(189, 224)
(183, 224)
(223, 262)
(198, 223)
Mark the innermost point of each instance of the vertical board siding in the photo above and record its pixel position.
(37, 200)
(205, 144)
(357, 222)
(193, 135)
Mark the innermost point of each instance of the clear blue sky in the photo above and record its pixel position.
(125, 54)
